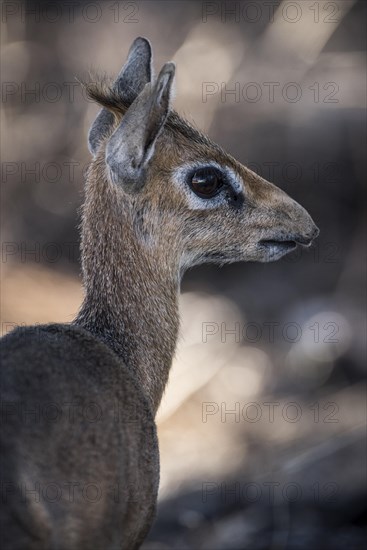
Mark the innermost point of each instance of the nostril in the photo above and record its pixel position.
(316, 232)
(307, 239)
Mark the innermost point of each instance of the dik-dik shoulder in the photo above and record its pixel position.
(87, 435)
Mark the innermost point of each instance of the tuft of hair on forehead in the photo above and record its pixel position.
(103, 91)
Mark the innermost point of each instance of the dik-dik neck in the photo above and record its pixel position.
(131, 295)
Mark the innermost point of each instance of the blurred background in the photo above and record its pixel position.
(262, 427)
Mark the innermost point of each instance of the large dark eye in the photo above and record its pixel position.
(206, 182)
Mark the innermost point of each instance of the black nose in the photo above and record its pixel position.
(307, 239)
(316, 232)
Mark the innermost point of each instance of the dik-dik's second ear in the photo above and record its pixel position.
(132, 144)
(134, 75)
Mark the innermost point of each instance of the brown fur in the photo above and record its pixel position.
(132, 247)
(142, 227)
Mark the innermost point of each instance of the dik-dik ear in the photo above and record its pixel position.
(132, 144)
(134, 75)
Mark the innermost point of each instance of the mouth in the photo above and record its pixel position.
(276, 248)
(281, 245)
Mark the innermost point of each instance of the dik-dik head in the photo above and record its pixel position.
(183, 193)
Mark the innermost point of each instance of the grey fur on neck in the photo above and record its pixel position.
(131, 296)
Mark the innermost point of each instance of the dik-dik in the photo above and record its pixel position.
(80, 462)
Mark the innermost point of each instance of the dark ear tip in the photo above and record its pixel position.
(141, 43)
